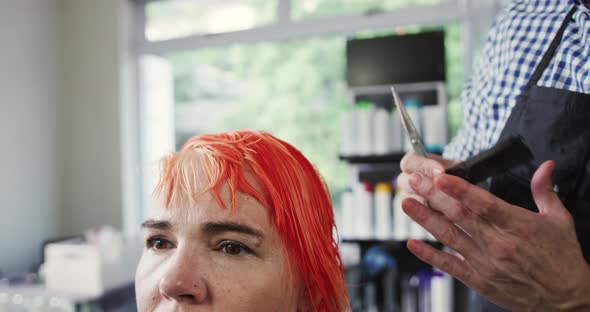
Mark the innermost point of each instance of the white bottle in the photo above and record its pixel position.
(364, 117)
(383, 228)
(441, 292)
(417, 231)
(348, 218)
(435, 127)
(401, 221)
(414, 108)
(382, 132)
(397, 132)
(370, 298)
(363, 194)
(348, 132)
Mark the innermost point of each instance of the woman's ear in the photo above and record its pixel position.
(306, 303)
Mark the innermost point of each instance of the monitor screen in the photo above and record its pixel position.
(395, 59)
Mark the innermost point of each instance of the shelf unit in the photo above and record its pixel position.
(385, 168)
(415, 66)
(406, 261)
(392, 157)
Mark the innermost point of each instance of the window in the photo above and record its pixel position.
(273, 76)
(315, 8)
(293, 90)
(179, 18)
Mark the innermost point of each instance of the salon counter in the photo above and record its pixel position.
(36, 298)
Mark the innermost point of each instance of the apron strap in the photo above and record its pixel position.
(548, 56)
(585, 3)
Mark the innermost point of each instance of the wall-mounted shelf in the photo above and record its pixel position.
(390, 242)
(373, 159)
(406, 260)
(430, 92)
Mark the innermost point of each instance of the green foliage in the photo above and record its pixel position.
(292, 89)
(295, 90)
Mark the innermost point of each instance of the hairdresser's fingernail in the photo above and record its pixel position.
(415, 179)
(436, 171)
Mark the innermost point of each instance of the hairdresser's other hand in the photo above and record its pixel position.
(518, 259)
(413, 163)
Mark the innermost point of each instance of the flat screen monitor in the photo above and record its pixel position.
(395, 59)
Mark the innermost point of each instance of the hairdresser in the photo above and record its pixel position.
(524, 245)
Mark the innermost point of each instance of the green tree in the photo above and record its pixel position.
(293, 89)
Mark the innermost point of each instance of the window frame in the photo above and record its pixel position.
(469, 13)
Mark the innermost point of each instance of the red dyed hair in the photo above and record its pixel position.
(295, 195)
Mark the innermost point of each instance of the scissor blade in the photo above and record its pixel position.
(408, 124)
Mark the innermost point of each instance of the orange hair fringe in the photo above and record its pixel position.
(296, 197)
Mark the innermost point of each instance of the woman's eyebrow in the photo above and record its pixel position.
(156, 224)
(221, 227)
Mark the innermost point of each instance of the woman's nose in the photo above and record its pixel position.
(182, 282)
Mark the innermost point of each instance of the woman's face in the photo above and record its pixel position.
(205, 258)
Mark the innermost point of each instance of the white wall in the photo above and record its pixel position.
(30, 142)
(94, 53)
(62, 98)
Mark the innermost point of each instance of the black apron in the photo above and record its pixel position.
(556, 125)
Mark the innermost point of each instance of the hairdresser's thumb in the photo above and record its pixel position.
(544, 194)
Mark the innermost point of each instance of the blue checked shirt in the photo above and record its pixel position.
(516, 43)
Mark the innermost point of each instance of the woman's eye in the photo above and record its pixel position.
(233, 248)
(158, 243)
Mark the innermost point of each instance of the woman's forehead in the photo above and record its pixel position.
(205, 208)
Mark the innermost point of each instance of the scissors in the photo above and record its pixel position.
(507, 154)
(415, 138)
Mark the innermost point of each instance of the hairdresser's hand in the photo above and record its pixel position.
(518, 259)
(412, 163)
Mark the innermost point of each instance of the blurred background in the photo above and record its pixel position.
(92, 93)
